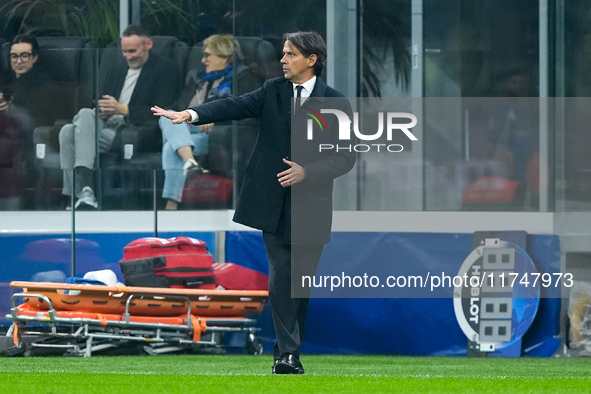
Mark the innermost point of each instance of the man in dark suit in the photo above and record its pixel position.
(127, 91)
(287, 189)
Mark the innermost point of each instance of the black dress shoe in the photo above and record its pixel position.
(288, 365)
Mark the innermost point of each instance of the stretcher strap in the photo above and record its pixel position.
(198, 327)
(15, 335)
(103, 319)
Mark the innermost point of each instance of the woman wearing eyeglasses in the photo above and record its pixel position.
(24, 103)
(182, 142)
(26, 86)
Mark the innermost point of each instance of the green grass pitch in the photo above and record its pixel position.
(324, 374)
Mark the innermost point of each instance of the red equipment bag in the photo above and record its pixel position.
(207, 188)
(235, 277)
(180, 262)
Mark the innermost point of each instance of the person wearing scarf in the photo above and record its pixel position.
(183, 142)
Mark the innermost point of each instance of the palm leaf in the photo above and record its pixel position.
(95, 19)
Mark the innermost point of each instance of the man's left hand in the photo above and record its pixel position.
(108, 105)
(294, 174)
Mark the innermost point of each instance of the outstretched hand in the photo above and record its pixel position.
(294, 174)
(176, 117)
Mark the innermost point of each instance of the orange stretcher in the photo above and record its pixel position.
(163, 301)
(81, 319)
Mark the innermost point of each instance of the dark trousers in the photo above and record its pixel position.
(289, 314)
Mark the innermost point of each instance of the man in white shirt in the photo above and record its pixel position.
(126, 96)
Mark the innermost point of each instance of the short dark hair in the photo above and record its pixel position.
(27, 39)
(137, 30)
(309, 43)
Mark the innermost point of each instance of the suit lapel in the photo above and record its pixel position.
(285, 95)
(114, 82)
(319, 88)
(317, 95)
(143, 78)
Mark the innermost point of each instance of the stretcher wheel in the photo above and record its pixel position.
(253, 345)
(16, 351)
(145, 349)
(73, 353)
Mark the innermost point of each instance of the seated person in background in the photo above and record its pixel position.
(182, 142)
(27, 87)
(11, 155)
(24, 104)
(126, 95)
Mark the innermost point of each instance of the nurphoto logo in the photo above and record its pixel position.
(391, 120)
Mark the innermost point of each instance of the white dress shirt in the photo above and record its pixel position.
(307, 90)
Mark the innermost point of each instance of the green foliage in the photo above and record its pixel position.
(96, 19)
(385, 24)
(326, 374)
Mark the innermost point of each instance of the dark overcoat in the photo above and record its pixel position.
(301, 214)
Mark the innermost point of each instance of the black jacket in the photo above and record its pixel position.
(301, 214)
(158, 84)
(31, 93)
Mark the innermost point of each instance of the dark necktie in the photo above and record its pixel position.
(298, 100)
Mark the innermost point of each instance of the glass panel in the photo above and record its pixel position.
(493, 165)
(125, 187)
(259, 26)
(386, 59)
(576, 186)
(481, 49)
(573, 160)
(471, 49)
(35, 176)
(40, 102)
(481, 123)
(385, 71)
(226, 148)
